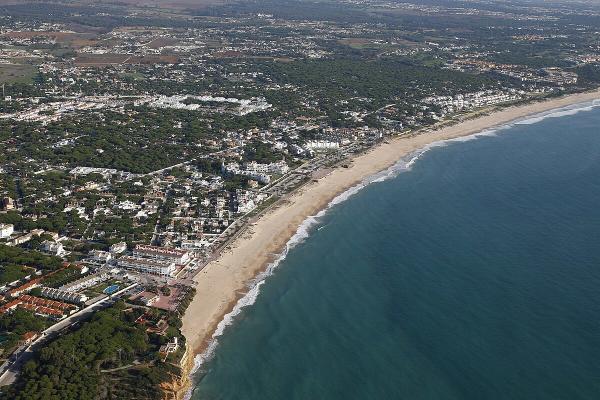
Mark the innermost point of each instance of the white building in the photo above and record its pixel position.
(128, 205)
(176, 256)
(195, 244)
(100, 256)
(63, 295)
(234, 168)
(273, 168)
(322, 145)
(86, 282)
(170, 347)
(148, 298)
(148, 266)
(118, 248)
(6, 230)
(51, 247)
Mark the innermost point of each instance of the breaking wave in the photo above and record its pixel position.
(558, 112)
(304, 230)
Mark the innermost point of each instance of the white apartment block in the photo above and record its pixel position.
(63, 295)
(176, 256)
(85, 282)
(322, 145)
(148, 266)
(273, 168)
(234, 168)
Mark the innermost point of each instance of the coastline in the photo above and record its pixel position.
(226, 279)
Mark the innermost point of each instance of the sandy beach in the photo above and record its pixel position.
(224, 281)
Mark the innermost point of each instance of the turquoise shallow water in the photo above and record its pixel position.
(475, 275)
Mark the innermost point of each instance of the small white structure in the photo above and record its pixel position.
(170, 347)
(100, 256)
(149, 298)
(52, 247)
(6, 230)
(118, 248)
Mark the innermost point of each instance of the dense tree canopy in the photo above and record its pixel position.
(70, 368)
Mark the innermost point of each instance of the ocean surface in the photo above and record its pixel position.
(470, 271)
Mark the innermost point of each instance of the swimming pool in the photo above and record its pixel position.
(111, 289)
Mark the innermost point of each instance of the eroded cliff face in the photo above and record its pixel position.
(177, 385)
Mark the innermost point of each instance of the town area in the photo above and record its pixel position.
(138, 141)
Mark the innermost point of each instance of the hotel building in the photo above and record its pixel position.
(147, 265)
(176, 256)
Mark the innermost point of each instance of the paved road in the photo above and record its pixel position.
(10, 375)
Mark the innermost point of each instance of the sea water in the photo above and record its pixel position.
(468, 271)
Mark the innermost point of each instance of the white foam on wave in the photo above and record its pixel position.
(559, 112)
(250, 297)
(304, 230)
(406, 163)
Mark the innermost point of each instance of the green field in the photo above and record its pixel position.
(16, 73)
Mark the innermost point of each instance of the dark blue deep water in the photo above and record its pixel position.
(475, 275)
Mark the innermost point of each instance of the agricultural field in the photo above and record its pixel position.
(17, 73)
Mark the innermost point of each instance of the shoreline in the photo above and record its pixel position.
(225, 280)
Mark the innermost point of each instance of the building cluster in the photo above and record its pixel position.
(259, 172)
(64, 295)
(553, 76)
(225, 107)
(85, 283)
(207, 102)
(57, 303)
(40, 306)
(470, 101)
(155, 260)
